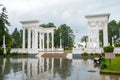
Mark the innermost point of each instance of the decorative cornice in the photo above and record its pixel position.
(98, 15)
(32, 21)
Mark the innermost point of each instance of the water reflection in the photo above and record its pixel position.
(50, 69)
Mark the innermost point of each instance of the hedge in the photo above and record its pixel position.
(109, 49)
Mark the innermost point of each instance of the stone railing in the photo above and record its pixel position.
(32, 51)
(117, 50)
(87, 50)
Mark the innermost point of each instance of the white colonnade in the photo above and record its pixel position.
(35, 36)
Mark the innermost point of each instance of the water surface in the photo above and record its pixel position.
(51, 69)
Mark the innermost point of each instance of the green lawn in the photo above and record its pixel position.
(115, 64)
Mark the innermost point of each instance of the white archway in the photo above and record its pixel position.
(97, 22)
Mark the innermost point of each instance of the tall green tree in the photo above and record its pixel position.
(16, 39)
(66, 34)
(3, 28)
(113, 31)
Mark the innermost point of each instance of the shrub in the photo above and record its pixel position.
(91, 54)
(1, 50)
(68, 48)
(117, 44)
(85, 54)
(103, 66)
(102, 60)
(8, 50)
(109, 49)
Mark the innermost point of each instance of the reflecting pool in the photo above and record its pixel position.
(51, 69)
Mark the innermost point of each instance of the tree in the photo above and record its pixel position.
(66, 36)
(16, 39)
(113, 31)
(84, 39)
(3, 29)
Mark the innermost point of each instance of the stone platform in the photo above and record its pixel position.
(54, 55)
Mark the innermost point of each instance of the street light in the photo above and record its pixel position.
(60, 41)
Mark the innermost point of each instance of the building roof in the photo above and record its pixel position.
(32, 21)
(98, 15)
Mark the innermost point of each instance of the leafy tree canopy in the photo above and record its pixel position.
(48, 25)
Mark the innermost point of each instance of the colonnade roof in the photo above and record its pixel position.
(34, 24)
(28, 22)
(98, 15)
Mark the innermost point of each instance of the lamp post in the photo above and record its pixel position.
(113, 40)
(4, 46)
(60, 41)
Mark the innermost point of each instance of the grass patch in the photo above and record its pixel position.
(115, 64)
(14, 54)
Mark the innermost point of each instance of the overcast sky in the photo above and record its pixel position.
(70, 12)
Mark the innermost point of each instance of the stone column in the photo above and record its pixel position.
(33, 39)
(89, 34)
(52, 67)
(52, 41)
(47, 41)
(23, 45)
(40, 65)
(23, 68)
(29, 38)
(28, 69)
(60, 62)
(35, 68)
(43, 65)
(47, 64)
(32, 69)
(40, 40)
(43, 41)
(105, 34)
(52, 64)
(97, 29)
(36, 39)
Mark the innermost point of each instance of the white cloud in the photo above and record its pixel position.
(70, 12)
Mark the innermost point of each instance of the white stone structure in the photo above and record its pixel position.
(36, 39)
(97, 22)
(36, 36)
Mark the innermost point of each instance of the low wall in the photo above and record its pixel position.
(117, 50)
(92, 50)
(87, 50)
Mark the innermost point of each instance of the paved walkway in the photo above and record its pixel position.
(54, 55)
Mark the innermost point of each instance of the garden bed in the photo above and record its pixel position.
(115, 65)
